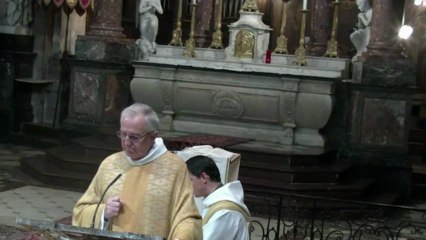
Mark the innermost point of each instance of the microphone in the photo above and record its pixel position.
(102, 198)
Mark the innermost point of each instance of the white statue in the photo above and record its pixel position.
(361, 36)
(148, 25)
(17, 13)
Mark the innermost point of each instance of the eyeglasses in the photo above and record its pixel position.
(134, 138)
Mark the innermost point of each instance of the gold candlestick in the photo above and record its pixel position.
(217, 35)
(190, 43)
(300, 54)
(282, 39)
(177, 33)
(332, 43)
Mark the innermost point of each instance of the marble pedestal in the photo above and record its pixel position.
(99, 85)
(380, 103)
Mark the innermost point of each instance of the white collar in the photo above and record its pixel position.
(157, 150)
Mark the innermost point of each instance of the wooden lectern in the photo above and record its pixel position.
(69, 232)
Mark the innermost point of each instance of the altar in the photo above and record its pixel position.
(277, 102)
(235, 92)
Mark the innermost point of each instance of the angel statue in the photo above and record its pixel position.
(148, 26)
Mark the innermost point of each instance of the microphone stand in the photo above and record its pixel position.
(102, 198)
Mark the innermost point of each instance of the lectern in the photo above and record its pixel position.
(69, 232)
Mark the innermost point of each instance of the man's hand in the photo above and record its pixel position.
(112, 207)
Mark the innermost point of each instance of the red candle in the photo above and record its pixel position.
(268, 56)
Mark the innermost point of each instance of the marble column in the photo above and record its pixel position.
(380, 103)
(204, 22)
(321, 27)
(381, 29)
(107, 20)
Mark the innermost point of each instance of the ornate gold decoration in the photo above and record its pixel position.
(250, 6)
(332, 43)
(71, 3)
(282, 39)
(300, 54)
(244, 44)
(217, 35)
(190, 43)
(177, 33)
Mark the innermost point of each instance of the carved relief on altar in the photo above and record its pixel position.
(167, 113)
(227, 104)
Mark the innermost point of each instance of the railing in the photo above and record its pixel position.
(292, 216)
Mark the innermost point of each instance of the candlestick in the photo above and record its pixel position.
(300, 54)
(332, 43)
(282, 39)
(190, 43)
(177, 33)
(305, 5)
(217, 35)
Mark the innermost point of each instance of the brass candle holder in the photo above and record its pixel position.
(282, 39)
(217, 35)
(177, 33)
(332, 43)
(300, 54)
(190, 43)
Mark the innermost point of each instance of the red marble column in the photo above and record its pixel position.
(321, 27)
(204, 22)
(381, 35)
(107, 19)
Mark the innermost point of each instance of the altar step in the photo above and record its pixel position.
(264, 166)
(45, 136)
(304, 170)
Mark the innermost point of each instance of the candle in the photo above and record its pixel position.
(194, 1)
(337, 1)
(305, 5)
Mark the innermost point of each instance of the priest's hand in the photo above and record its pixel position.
(112, 207)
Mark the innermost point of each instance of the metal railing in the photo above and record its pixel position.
(293, 216)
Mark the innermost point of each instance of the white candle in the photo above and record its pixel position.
(305, 5)
(194, 1)
(337, 1)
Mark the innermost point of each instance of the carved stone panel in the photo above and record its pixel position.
(85, 95)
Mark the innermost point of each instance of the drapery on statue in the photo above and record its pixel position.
(148, 26)
(18, 13)
(361, 36)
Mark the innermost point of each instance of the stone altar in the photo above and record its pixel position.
(277, 102)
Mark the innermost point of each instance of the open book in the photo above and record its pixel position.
(227, 162)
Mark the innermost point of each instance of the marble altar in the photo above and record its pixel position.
(277, 102)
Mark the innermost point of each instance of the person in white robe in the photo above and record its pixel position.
(225, 216)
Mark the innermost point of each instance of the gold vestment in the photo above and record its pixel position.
(157, 198)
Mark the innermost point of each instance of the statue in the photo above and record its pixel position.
(17, 13)
(148, 26)
(361, 36)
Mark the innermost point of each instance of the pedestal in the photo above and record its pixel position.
(380, 114)
(100, 78)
